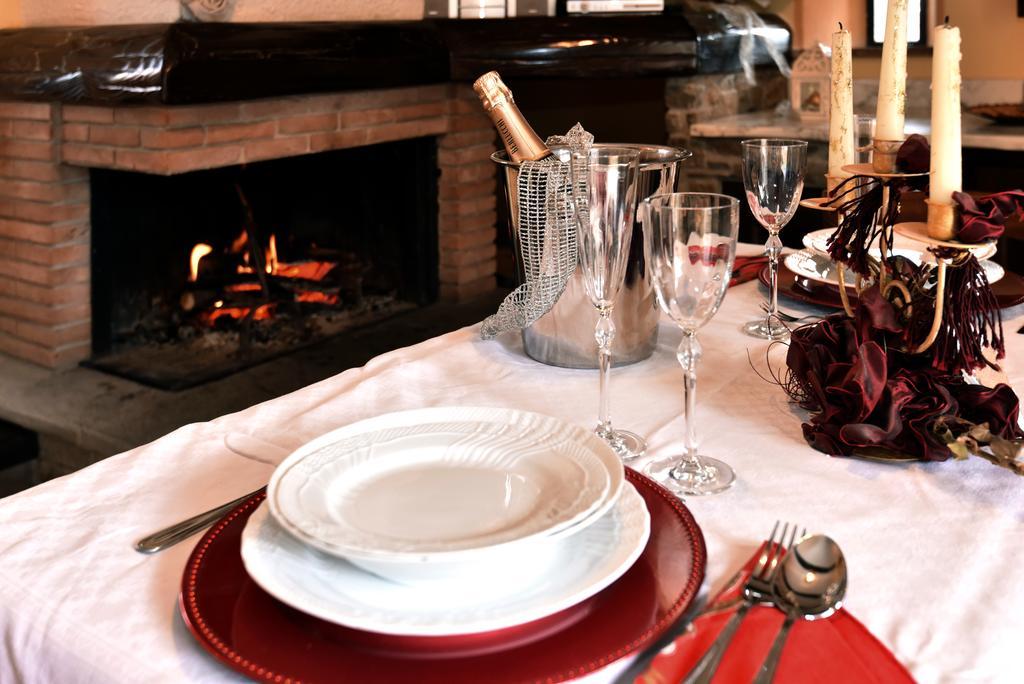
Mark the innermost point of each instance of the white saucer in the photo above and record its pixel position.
(334, 590)
(819, 268)
(817, 240)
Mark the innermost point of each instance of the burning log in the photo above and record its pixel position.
(291, 285)
(201, 300)
(193, 299)
(255, 249)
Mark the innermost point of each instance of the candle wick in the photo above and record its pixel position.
(946, 20)
(840, 26)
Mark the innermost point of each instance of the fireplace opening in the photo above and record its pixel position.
(199, 275)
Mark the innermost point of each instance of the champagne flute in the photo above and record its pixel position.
(773, 176)
(690, 242)
(604, 218)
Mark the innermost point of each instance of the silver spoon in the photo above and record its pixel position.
(810, 584)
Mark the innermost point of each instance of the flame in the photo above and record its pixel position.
(308, 270)
(316, 297)
(262, 312)
(239, 243)
(198, 252)
(243, 287)
(271, 256)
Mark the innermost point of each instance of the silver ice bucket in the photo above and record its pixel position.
(564, 336)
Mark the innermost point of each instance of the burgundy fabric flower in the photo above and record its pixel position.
(914, 155)
(998, 406)
(865, 395)
(982, 219)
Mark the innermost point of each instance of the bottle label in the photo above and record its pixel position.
(506, 135)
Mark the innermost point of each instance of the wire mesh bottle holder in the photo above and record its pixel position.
(546, 241)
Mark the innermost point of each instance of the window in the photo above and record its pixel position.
(916, 17)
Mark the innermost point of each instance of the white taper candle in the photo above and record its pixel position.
(946, 164)
(892, 81)
(840, 124)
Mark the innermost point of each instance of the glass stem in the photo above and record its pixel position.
(604, 333)
(773, 248)
(689, 353)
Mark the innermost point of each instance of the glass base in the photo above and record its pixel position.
(627, 445)
(682, 478)
(767, 329)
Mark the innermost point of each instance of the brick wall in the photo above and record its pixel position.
(467, 197)
(46, 149)
(44, 240)
(169, 140)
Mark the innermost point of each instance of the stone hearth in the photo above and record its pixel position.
(46, 150)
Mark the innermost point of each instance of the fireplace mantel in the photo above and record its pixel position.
(189, 63)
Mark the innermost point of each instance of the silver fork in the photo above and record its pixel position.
(758, 589)
(790, 318)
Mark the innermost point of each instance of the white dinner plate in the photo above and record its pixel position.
(332, 589)
(819, 268)
(817, 241)
(436, 486)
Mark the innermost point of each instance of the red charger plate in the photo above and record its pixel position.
(1009, 290)
(253, 633)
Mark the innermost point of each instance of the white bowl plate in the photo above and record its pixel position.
(332, 589)
(436, 485)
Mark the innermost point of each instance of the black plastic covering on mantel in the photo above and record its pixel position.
(192, 63)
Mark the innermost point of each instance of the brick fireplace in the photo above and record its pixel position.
(47, 149)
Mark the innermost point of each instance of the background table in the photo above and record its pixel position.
(935, 550)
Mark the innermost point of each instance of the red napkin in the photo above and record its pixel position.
(747, 268)
(838, 649)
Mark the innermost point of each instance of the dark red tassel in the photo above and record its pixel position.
(859, 198)
(971, 319)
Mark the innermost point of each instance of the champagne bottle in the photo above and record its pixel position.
(521, 143)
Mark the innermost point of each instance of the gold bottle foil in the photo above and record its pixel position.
(520, 140)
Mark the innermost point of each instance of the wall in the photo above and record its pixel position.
(991, 32)
(10, 13)
(992, 35)
(93, 12)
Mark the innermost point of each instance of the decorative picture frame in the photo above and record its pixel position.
(810, 84)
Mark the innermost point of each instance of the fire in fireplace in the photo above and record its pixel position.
(202, 274)
(249, 282)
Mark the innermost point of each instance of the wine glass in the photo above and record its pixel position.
(690, 241)
(864, 135)
(604, 218)
(773, 176)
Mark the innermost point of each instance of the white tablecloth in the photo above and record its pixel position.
(935, 551)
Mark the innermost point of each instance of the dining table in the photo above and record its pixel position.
(934, 549)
